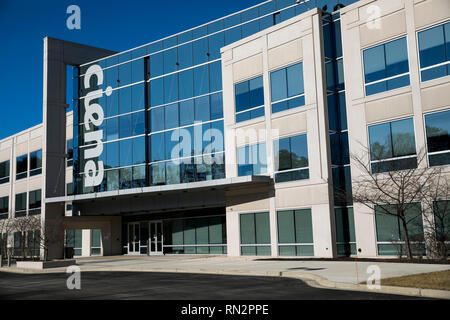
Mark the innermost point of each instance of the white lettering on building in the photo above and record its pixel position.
(93, 117)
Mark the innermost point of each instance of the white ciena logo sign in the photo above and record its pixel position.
(93, 170)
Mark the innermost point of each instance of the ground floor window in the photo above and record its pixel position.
(295, 233)
(205, 235)
(181, 235)
(345, 231)
(74, 239)
(442, 226)
(255, 234)
(390, 234)
(96, 242)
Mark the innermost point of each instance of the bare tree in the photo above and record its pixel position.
(23, 226)
(6, 226)
(396, 189)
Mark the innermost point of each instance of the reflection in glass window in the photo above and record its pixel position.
(186, 84)
(34, 200)
(252, 160)
(138, 123)
(112, 129)
(112, 151)
(35, 163)
(4, 172)
(386, 67)
(390, 230)
(185, 57)
(201, 81)
(125, 128)
(126, 153)
(295, 233)
(434, 51)
(393, 140)
(69, 150)
(291, 159)
(21, 205)
(171, 116)
(4, 208)
(187, 112)
(438, 138)
(157, 119)
(255, 232)
(249, 99)
(21, 167)
(125, 100)
(138, 97)
(287, 88)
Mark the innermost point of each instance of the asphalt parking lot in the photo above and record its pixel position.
(169, 286)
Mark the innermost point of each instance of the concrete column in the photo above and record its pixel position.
(86, 243)
(233, 234)
(57, 55)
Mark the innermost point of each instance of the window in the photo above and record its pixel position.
(69, 149)
(74, 239)
(35, 163)
(249, 96)
(438, 138)
(21, 205)
(442, 221)
(386, 67)
(287, 88)
(434, 52)
(96, 242)
(34, 202)
(255, 234)
(295, 233)
(390, 233)
(4, 208)
(345, 232)
(291, 159)
(21, 167)
(195, 236)
(4, 172)
(252, 160)
(393, 146)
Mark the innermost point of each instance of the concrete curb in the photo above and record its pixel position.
(311, 279)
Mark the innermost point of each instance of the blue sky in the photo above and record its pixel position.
(112, 24)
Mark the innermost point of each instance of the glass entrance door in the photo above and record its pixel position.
(133, 238)
(156, 238)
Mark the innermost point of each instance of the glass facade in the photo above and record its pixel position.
(434, 52)
(252, 160)
(390, 234)
(287, 88)
(295, 233)
(393, 146)
(438, 138)
(154, 95)
(255, 234)
(291, 159)
(338, 131)
(4, 172)
(386, 67)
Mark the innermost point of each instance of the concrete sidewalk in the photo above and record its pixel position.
(330, 274)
